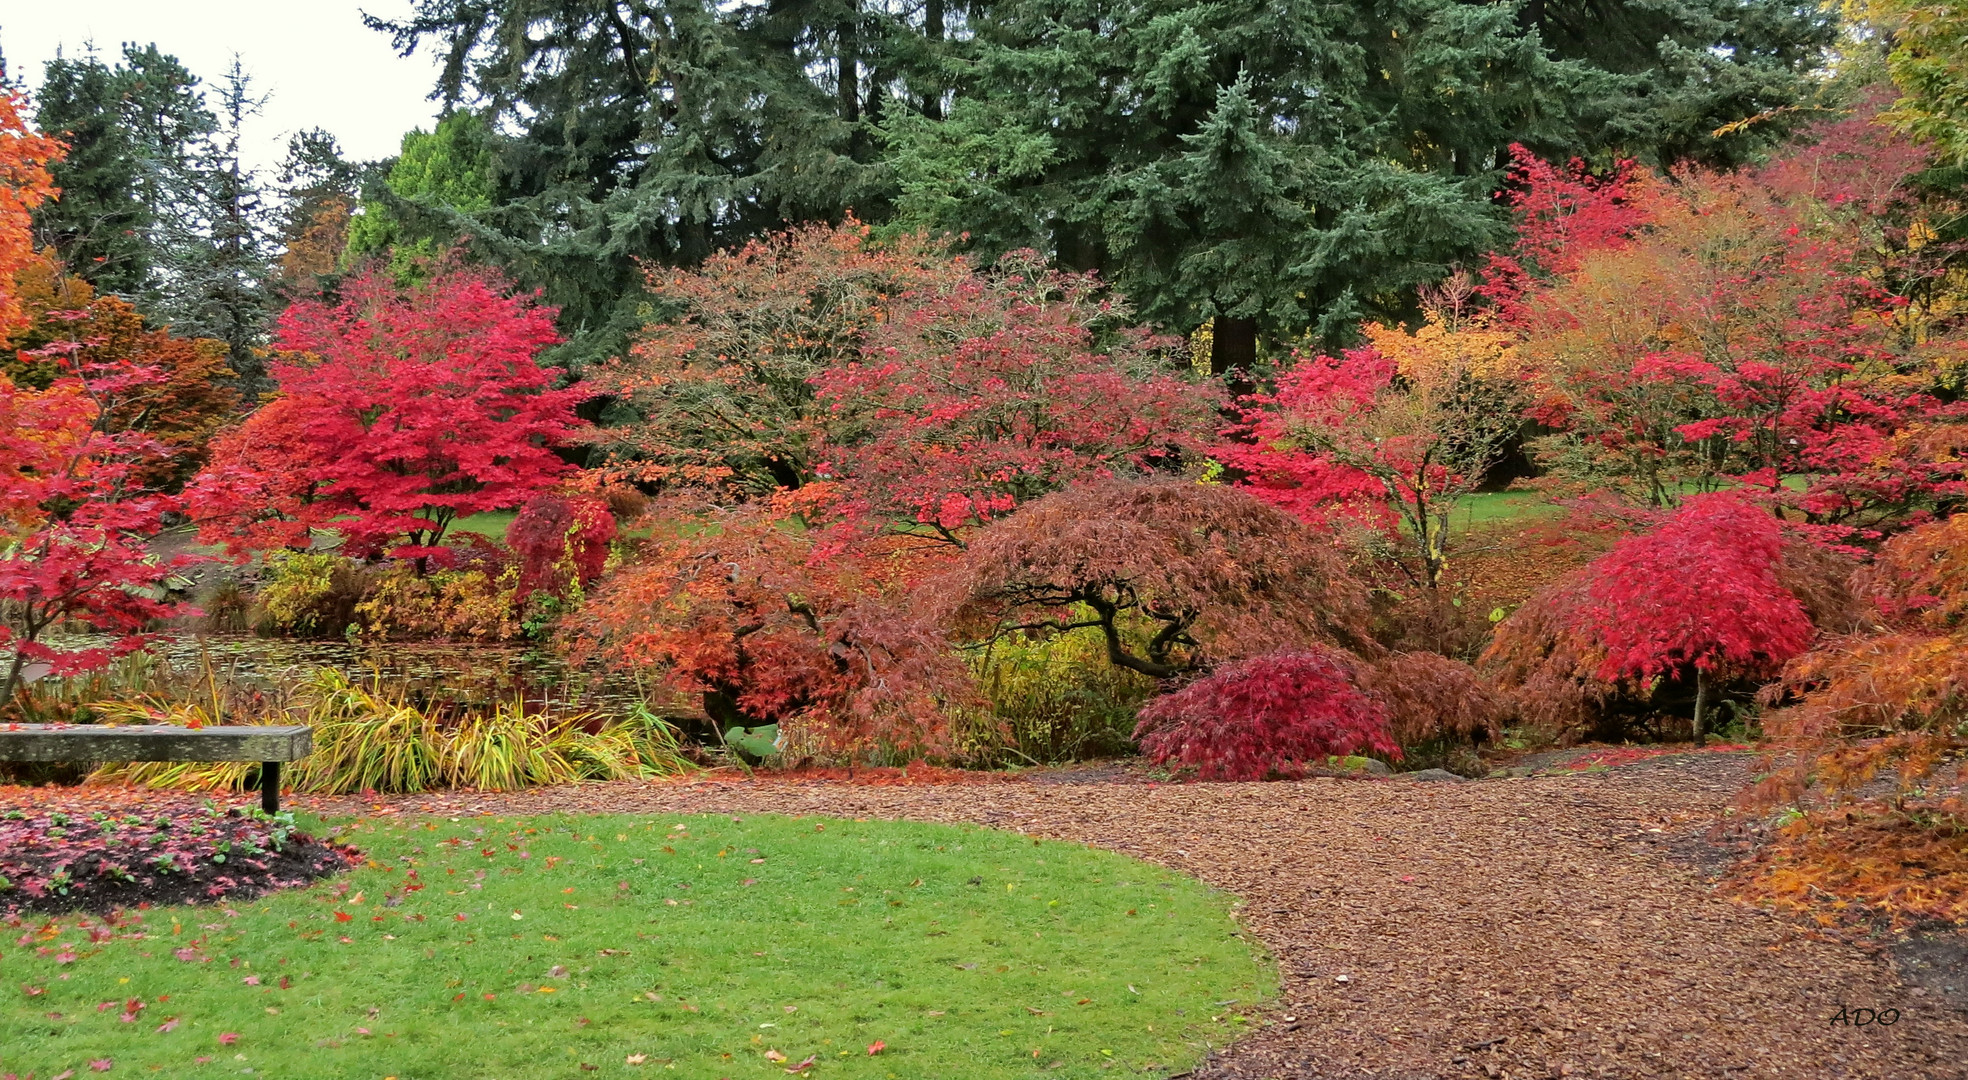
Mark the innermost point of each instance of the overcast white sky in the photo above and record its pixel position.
(317, 64)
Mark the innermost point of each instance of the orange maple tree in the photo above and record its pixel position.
(25, 183)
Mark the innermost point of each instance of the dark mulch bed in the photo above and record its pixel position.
(70, 849)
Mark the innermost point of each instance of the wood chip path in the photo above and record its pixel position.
(1506, 928)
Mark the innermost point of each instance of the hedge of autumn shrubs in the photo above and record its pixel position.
(875, 465)
(67, 854)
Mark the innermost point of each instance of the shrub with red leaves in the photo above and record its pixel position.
(54, 859)
(561, 540)
(1275, 713)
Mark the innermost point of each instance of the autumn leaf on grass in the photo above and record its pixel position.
(876, 1047)
(167, 1025)
(635, 1059)
(343, 916)
(811, 1060)
(33, 991)
(103, 1064)
(228, 1038)
(774, 1055)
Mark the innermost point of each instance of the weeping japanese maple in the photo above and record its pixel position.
(1715, 594)
(1175, 575)
(1272, 714)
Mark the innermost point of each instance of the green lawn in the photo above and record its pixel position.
(540, 947)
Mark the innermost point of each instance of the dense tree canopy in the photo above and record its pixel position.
(1286, 167)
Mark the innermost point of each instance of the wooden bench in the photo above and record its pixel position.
(269, 745)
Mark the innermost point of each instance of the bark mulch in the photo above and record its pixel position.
(1533, 927)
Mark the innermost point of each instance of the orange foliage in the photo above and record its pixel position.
(182, 408)
(25, 183)
(768, 627)
(1862, 867)
(1895, 698)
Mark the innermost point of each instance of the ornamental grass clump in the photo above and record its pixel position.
(369, 739)
(1274, 714)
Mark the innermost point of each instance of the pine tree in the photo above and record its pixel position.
(659, 131)
(317, 188)
(215, 256)
(134, 132)
(1295, 167)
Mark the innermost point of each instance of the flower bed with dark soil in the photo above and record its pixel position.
(84, 853)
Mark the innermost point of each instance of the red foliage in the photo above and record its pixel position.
(1276, 713)
(561, 541)
(1393, 434)
(997, 390)
(1746, 334)
(746, 612)
(1563, 215)
(1717, 590)
(1701, 591)
(75, 520)
(401, 410)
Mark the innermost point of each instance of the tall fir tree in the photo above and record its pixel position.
(318, 187)
(214, 250)
(659, 130)
(134, 132)
(1292, 168)
(1276, 168)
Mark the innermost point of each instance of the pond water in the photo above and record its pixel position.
(461, 674)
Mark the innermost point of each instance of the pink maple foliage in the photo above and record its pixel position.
(995, 390)
(1276, 713)
(1699, 595)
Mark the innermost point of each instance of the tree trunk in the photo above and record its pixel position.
(1233, 345)
(932, 105)
(1701, 703)
(849, 63)
(13, 675)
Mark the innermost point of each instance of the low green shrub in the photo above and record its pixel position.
(1053, 698)
(318, 594)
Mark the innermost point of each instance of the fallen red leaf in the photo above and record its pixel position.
(228, 1038)
(876, 1047)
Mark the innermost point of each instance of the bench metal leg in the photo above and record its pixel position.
(270, 786)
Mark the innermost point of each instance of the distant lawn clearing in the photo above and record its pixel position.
(626, 945)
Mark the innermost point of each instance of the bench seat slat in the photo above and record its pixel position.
(154, 742)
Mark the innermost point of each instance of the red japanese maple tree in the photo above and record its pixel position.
(1699, 595)
(561, 540)
(75, 519)
(401, 409)
(1276, 713)
(980, 396)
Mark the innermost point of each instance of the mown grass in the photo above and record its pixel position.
(541, 947)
